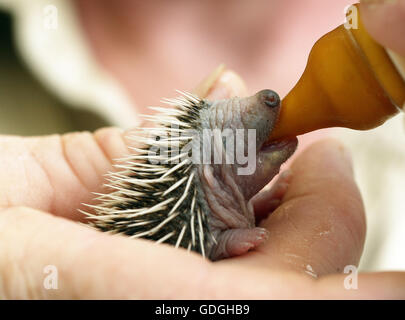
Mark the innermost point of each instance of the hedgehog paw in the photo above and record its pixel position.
(235, 242)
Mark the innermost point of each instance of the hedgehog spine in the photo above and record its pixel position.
(156, 196)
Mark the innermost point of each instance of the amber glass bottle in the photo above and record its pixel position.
(350, 81)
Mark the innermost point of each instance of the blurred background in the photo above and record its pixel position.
(68, 65)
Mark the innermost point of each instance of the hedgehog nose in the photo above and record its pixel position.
(270, 98)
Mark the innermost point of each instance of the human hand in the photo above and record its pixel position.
(318, 229)
(385, 21)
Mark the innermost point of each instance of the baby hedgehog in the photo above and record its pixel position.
(192, 175)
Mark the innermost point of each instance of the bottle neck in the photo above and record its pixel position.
(399, 63)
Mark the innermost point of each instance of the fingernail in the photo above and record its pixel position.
(372, 4)
(206, 85)
(228, 85)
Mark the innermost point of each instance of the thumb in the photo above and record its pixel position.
(222, 83)
(319, 228)
(385, 21)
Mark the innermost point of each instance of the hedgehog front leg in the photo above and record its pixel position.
(235, 242)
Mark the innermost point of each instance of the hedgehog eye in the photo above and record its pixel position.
(272, 99)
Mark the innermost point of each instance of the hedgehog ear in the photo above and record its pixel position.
(221, 84)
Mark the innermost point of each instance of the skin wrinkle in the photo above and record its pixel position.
(105, 162)
(51, 204)
(63, 141)
(212, 183)
(33, 145)
(52, 207)
(99, 145)
(237, 193)
(226, 202)
(230, 192)
(226, 176)
(87, 141)
(102, 140)
(219, 210)
(101, 148)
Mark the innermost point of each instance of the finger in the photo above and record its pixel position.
(58, 173)
(89, 264)
(95, 265)
(320, 226)
(385, 21)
